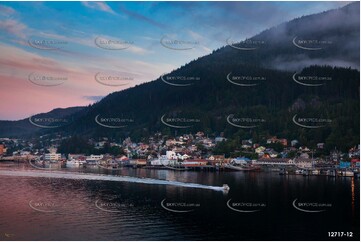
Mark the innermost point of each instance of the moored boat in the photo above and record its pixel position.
(74, 163)
(346, 173)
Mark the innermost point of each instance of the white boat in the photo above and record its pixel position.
(347, 173)
(74, 163)
(226, 187)
(315, 172)
(109, 164)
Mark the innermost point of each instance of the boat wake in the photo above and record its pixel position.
(99, 177)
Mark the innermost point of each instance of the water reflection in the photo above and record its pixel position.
(104, 210)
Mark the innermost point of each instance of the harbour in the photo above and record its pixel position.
(285, 168)
(102, 209)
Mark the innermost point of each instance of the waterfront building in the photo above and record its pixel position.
(52, 156)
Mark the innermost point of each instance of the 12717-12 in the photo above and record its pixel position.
(340, 234)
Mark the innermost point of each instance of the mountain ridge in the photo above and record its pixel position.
(212, 96)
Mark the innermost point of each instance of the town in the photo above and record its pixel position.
(197, 151)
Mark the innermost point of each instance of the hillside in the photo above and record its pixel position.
(251, 82)
(24, 127)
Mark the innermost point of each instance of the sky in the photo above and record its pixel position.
(65, 54)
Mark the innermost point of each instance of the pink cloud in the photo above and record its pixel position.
(23, 96)
(24, 99)
(13, 27)
(101, 6)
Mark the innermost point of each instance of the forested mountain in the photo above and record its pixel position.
(271, 105)
(284, 81)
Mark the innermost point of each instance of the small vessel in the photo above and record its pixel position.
(109, 165)
(73, 163)
(347, 173)
(315, 172)
(299, 172)
(226, 187)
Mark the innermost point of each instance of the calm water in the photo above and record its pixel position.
(59, 209)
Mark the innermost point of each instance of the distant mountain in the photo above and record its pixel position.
(282, 82)
(25, 127)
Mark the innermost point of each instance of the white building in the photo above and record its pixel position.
(52, 156)
(220, 139)
(171, 155)
(183, 157)
(294, 142)
(94, 157)
(162, 161)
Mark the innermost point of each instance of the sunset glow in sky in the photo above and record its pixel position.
(61, 54)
